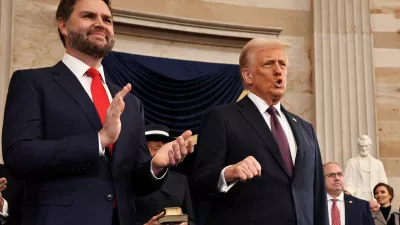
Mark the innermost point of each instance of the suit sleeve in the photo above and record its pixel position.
(26, 152)
(211, 156)
(320, 200)
(187, 206)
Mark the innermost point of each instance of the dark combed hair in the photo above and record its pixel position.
(388, 187)
(65, 9)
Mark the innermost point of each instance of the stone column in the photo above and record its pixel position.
(6, 11)
(343, 77)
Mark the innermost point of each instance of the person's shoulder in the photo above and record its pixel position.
(355, 200)
(221, 110)
(354, 159)
(298, 120)
(375, 160)
(32, 73)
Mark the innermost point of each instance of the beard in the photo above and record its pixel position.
(81, 42)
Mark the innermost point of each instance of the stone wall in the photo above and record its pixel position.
(385, 21)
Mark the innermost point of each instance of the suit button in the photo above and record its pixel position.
(109, 197)
(293, 188)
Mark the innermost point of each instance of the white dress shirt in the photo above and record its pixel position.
(79, 69)
(262, 106)
(340, 205)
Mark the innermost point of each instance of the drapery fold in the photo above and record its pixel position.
(175, 93)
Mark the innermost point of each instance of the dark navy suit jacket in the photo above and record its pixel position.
(232, 132)
(50, 140)
(357, 211)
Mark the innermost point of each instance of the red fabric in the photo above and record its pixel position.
(100, 100)
(99, 96)
(335, 213)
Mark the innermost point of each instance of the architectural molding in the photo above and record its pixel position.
(188, 30)
(343, 77)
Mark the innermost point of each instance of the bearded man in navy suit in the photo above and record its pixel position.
(77, 139)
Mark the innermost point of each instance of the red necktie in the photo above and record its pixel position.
(335, 214)
(281, 139)
(100, 100)
(99, 96)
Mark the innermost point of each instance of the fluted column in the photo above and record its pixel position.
(6, 9)
(344, 77)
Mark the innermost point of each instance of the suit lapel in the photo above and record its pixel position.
(113, 89)
(68, 81)
(250, 113)
(117, 157)
(379, 216)
(296, 133)
(349, 208)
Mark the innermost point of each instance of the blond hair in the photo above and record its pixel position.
(258, 43)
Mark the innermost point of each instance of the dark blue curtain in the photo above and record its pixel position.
(175, 93)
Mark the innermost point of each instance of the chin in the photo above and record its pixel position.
(278, 96)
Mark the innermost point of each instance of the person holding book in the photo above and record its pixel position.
(173, 193)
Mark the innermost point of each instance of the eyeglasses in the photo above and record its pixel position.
(332, 175)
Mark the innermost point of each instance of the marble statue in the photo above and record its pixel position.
(363, 172)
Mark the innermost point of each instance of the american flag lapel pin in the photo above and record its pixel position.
(350, 202)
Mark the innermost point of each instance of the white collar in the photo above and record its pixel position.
(340, 197)
(78, 67)
(261, 105)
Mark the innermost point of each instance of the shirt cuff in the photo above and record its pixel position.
(4, 213)
(101, 151)
(153, 175)
(222, 185)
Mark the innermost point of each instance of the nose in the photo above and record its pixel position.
(277, 69)
(98, 22)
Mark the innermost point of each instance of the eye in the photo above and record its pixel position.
(282, 64)
(108, 20)
(268, 64)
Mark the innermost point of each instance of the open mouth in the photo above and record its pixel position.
(278, 83)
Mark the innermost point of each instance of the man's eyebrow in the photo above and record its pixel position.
(92, 13)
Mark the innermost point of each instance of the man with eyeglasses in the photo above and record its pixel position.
(342, 208)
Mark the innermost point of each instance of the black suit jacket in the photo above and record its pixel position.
(13, 194)
(173, 193)
(232, 132)
(50, 139)
(357, 211)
